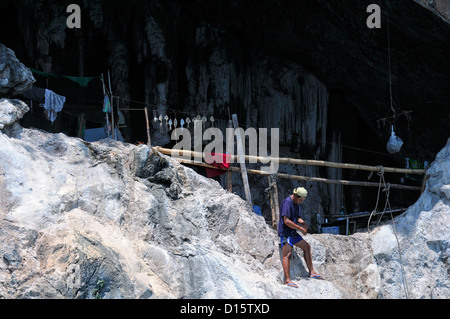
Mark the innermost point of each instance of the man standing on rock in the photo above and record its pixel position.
(290, 222)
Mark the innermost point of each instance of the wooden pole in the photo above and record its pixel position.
(112, 108)
(112, 119)
(106, 114)
(149, 142)
(103, 82)
(300, 178)
(275, 200)
(332, 181)
(229, 181)
(424, 184)
(272, 205)
(273, 191)
(229, 175)
(241, 157)
(80, 128)
(294, 161)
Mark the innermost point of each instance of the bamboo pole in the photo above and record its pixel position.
(112, 108)
(241, 154)
(272, 204)
(149, 142)
(229, 182)
(275, 200)
(294, 161)
(332, 181)
(106, 114)
(229, 175)
(301, 178)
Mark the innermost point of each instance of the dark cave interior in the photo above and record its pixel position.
(328, 39)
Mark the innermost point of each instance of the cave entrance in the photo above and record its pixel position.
(360, 144)
(82, 113)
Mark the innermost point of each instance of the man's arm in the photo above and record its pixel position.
(301, 222)
(303, 229)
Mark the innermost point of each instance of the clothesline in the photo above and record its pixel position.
(81, 81)
(223, 121)
(191, 113)
(49, 100)
(84, 81)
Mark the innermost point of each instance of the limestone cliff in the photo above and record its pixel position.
(311, 68)
(106, 220)
(75, 213)
(112, 220)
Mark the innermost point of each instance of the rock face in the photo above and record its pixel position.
(311, 68)
(106, 220)
(439, 7)
(110, 220)
(84, 213)
(11, 111)
(424, 237)
(15, 78)
(198, 57)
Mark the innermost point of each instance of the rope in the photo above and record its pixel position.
(390, 67)
(387, 205)
(273, 182)
(153, 108)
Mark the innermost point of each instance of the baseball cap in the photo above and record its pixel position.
(301, 192)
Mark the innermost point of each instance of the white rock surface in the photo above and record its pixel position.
(424, 236)
(75, 214)
(11, 111)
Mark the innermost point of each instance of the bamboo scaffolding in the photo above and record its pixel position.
(281, 160)
(300, 178)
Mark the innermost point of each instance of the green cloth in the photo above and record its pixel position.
(81, 81)
(106, 105)
(416, 164)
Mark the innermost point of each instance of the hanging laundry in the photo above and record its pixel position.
(175, 123)
(224, 163)
(204, 120)
(54, 103)
(195, 120)
(166, 118)
(182, 123)
(106, 104)
(81, 81)
(188, 121)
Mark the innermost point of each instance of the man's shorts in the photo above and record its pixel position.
(290, 240)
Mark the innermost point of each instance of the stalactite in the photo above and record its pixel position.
(315, 103)
(335, 200)
(300, 101)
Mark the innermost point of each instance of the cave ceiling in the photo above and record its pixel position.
(328, 38)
